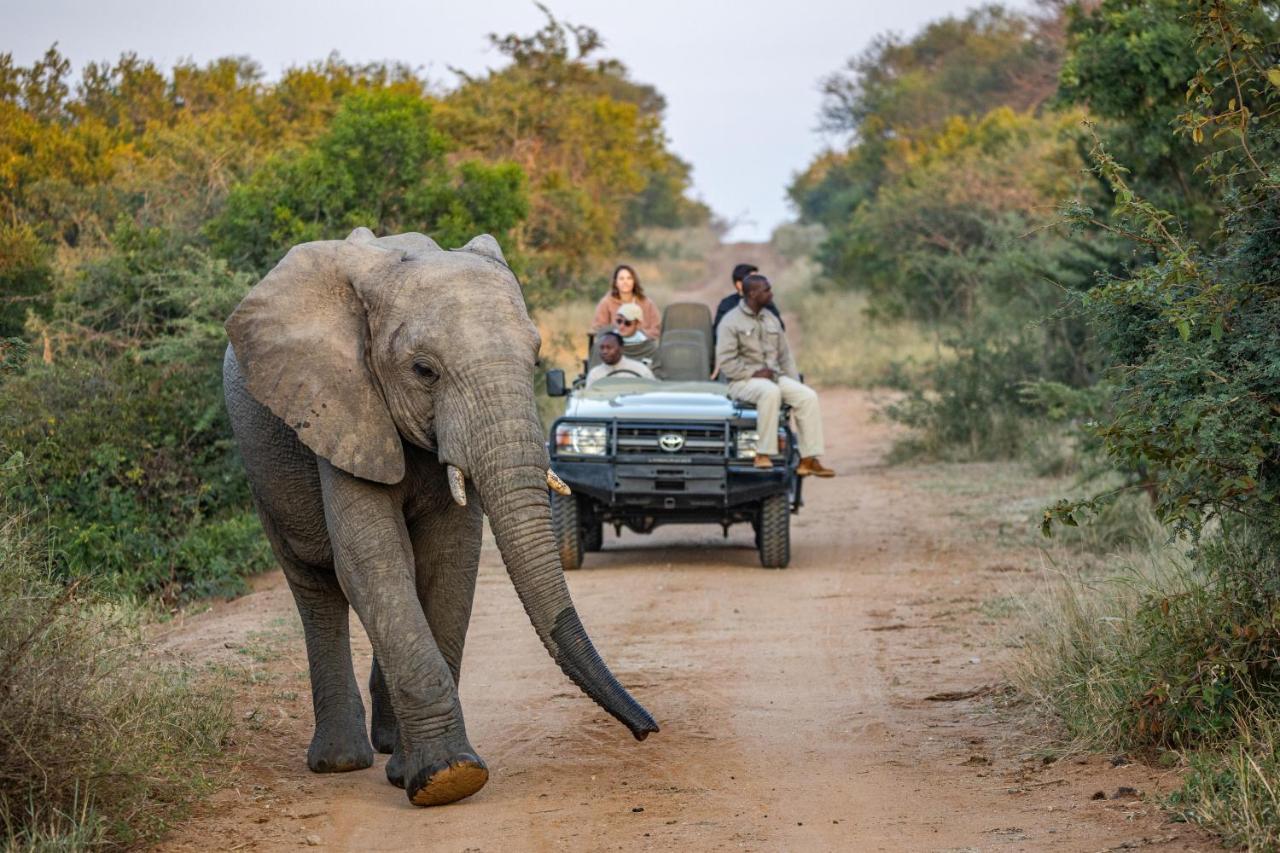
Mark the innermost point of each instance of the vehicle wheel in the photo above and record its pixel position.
(592, 535)
(564, 521)
(774, 537)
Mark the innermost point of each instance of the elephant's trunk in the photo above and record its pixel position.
(508, 467)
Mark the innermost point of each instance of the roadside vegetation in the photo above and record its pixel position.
(100, 745)
(1081, 204)
(137, 205)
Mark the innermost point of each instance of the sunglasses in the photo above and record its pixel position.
(619, 321)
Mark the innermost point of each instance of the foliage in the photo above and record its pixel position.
(101, 746)
(1193, 333)
(1174, 656)
(381, 161)
(941, 209)
(1129, 63)
(590, 141)
(899, 93)
(978, 411)
(954, 67)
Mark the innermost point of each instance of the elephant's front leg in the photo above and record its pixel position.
(446, 553)
(339, 743)
(374, 562)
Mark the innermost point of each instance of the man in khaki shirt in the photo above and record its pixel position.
(753, 354)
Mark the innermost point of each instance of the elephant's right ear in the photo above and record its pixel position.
(301, 336)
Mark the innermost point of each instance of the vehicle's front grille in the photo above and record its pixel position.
(644, 440)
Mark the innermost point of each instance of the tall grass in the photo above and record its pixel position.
(839, 342)
(100, 744)
(1173, 654)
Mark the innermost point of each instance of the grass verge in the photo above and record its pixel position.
(842, 344)
(1172, 655)
(101, 746)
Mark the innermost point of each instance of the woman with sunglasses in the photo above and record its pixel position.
(626, 290)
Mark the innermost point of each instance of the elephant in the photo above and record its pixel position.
(380, 391)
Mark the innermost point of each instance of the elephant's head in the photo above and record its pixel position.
(361, 343)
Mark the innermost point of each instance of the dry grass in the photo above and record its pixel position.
(1156, 653)
(100, 744)
(839, 343)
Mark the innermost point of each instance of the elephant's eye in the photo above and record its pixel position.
(426, 371)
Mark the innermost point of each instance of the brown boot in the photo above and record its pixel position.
(811, 465)
(763, 462)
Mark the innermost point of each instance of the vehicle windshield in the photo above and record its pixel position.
(612, 386)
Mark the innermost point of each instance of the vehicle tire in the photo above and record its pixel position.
(774, 539)
(564, 521)
(592, 534)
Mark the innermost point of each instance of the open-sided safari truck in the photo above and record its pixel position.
(677, 449)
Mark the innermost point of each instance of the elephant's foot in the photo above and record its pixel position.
(448, 781)
(395, 768)
(339, 749)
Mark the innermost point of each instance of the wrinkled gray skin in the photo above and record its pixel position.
(357, 370)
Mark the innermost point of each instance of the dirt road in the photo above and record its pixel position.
(803, 709)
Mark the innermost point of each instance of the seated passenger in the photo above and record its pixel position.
(635, 343)
(754, 356)
(613, 362)
(626, 290)
(731, 301)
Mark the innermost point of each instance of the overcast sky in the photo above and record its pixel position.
(741, 78)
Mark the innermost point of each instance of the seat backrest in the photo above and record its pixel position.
(682, 361)
(685, 348)
(680, 316)
(693, 336)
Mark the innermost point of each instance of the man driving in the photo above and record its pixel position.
(752, 350)
(613, 362)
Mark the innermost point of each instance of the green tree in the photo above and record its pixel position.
(380, 164)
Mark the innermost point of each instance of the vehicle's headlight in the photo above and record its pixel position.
(746, 441)
(582, 439)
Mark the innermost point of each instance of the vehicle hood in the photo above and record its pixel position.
(641, 399)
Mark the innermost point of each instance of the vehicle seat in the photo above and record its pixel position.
(684, 350)
(681, 316)
(682, 361)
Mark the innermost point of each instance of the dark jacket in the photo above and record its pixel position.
(730, 302)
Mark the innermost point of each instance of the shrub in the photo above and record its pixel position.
(1178, 655)
(100, 745)
(974, 408)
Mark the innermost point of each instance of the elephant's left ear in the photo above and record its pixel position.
(487, 246)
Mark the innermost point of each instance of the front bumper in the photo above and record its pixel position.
(672, 485)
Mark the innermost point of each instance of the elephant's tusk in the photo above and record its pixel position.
(457, 485)
(560, 487)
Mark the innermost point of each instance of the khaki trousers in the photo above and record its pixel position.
(769, 397)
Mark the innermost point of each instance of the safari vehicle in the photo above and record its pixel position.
(639, 453)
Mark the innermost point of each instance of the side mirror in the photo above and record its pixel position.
(555, 383)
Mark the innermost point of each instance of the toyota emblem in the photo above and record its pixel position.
(671, 442)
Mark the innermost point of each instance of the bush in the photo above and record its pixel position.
(974, 408)
(1165, 653)
(134, 466)
(100, 745)
(1173, 655)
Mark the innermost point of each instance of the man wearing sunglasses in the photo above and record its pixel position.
(635, 343)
